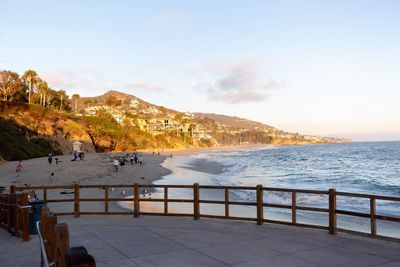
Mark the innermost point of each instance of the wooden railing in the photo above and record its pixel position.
(14, 213)
(54, 243)
(259, 203)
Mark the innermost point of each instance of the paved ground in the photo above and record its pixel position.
(170, 241)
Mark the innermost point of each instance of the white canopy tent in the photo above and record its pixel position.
(76, 146)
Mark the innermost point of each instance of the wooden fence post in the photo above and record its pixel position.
(196, 201)
(226, 202)
(17, 215)
(25, 217)
(51, 221)
(62, 243)
(106, 199)
(373, 215)
(260, 204)
(43, 230)
(45, 195)
(294, 215)
(77, 211)
(165, 199)
(332, 212)
(136, 203)
(13, 190)
(12, 201)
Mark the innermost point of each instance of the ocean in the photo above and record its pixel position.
(358, 167)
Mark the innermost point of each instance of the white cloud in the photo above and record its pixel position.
(77, 79)
(239, 97)
(85, 80)
(236, 82)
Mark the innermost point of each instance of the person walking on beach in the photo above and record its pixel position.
(19, 166)
(131, 159)
(50, 158)
(136, 159)
(115, 164)
(140, 160)
(75, 156)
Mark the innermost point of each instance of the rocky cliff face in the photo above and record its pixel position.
(54, 132)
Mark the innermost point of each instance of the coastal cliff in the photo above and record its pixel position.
(120, 122)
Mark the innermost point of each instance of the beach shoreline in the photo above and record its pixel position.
(97, 168)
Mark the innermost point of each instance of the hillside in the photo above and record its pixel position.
(235, 122)
(121, 122)
(124, 101)
(32, 130)
(203, 128)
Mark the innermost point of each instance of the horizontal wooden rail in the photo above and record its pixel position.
(59, 200)
(387, 218)
(300, 191)
(259, 204)
(358, 195)
(312, 209)
(227, 187)
(353, 213)
(38, 187)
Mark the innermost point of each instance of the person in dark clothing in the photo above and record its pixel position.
(50, 158)
(75, 156)
(136, 159)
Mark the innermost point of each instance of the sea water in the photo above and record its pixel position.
(367, 167)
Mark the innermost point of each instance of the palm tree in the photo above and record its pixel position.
(43, 88)
(63, 95)
(30, 78)
(76, 97)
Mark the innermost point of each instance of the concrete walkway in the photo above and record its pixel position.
(172, 241)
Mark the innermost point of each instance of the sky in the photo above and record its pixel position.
(329, 68)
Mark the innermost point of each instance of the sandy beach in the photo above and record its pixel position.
(95, 169)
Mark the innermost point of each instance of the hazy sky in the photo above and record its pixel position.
(322, 67)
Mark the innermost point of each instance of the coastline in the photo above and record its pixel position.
(95, 169)
(183, 168)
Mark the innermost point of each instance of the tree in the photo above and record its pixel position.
(30, 79)
(163, 110)
(178, 117)
(10, 85)
(113, 101)
(43, 90)
(63, 97)
(75, 97)
(87, 102)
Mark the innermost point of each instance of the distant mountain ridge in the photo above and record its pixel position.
(118, 121)
(230, 121)
(234, 121)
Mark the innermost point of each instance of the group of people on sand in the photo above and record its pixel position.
(78, 154)
(134, 159)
